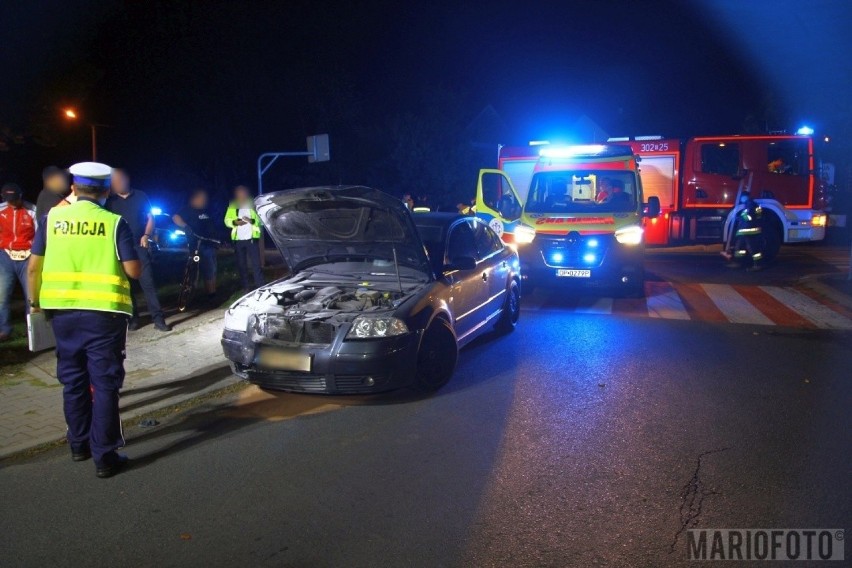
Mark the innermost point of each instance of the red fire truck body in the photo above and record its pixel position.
(697, 182)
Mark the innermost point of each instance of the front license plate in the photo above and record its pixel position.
(571, 273)
(284, 360)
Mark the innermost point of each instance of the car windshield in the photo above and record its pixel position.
(582, 191)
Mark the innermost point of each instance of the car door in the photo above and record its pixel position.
(498, 203)
(492, 264)
(469, 291)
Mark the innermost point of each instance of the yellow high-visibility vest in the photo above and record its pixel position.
(81, 266)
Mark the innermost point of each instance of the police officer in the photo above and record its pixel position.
(748, 236)
(79, 268)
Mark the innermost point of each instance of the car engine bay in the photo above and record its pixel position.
(307, 312)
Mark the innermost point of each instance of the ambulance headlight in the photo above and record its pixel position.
(367, 327)
(524, 235)
(631, 235)
(819, 220)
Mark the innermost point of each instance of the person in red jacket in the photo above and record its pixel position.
(17, 229)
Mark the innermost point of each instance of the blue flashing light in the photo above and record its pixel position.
(156, 211)
(589, 258)
(557, 257)
(592, 243)
(805, 131)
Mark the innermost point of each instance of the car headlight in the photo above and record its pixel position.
(819, 220)
(524, 235)
(631, 235)
(236, 317)
(366, 327)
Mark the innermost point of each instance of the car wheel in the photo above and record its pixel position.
(436, 359)
(511, 309)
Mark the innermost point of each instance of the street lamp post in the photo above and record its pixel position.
(71, 114)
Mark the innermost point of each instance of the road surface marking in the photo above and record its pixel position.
(664, 302)
(592, 305)
(736, 308)
(698, 303)
(823, 316)
(772, 308)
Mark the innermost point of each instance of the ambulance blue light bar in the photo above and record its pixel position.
(595, 150)
(805, 131)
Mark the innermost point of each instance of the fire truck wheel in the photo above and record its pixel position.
(773, 238)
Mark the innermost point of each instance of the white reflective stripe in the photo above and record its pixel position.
(736, 308)
(664, 302)
(593, 305)
(822, 316)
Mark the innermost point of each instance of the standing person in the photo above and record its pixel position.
(55, 191)
(244, 223)
(748, 235)
(195, 219)
(17, 229)
(133, 206)
(79, 268)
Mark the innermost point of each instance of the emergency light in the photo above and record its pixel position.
(596, 150)
(805, 131)
(156, 211)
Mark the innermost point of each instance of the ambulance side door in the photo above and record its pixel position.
(498, 203)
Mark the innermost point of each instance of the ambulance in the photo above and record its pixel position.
(574, 213)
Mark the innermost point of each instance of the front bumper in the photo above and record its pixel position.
(608, 262)
(342, 367)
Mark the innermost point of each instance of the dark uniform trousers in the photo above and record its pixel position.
(248, 251)
(90, 350)
(146, 282)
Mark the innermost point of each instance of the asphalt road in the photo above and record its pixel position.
(578, 440)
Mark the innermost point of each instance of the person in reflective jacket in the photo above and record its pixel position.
(748, 235)
(82, 257)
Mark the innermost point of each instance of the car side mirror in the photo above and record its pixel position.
(460, 263)
(653, 206)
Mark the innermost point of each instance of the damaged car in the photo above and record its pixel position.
(370, 305)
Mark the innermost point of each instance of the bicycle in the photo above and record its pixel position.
(190, 275)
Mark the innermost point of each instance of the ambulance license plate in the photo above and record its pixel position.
(284, 360)
(571, 273)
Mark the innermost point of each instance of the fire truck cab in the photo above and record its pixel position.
(575, 213)
(697, 183)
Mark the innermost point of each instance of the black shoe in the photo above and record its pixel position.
(161, 325)
(114, 465)
(133, 325)
(80, 454)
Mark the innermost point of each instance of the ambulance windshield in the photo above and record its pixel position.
(580, 191)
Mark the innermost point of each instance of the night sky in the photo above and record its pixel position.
(194, 91)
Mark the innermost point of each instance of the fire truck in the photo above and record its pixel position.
(554, 202)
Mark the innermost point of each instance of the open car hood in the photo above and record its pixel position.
(321, 225)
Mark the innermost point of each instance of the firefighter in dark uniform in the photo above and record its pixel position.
(82, 256)
(748, 234)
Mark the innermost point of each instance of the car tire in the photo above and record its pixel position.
(636, 289)
(437, 356)
(511, 309)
